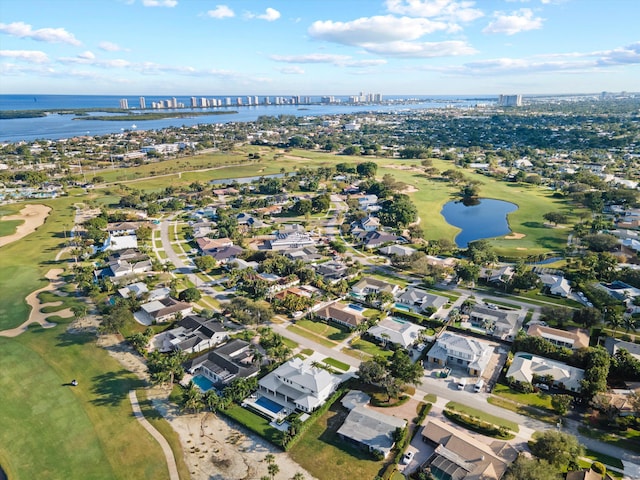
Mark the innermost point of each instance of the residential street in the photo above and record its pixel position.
(444, 389)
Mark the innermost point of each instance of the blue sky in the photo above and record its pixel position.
(315, 47)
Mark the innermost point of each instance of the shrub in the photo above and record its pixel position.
(599, 468)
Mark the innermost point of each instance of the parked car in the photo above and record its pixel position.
(407, 457)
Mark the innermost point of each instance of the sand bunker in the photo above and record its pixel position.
(514, 236)
(409, 189)
(36, 316)
(33, 216)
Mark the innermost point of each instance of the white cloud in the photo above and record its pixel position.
(338, 60)
(554, 62)
(88, 55)
(221, 11)
(449, 10)
(293, 70)
(270, 15)
(372, 30)
(49, 35)
(111, 47)
(159, 3)
(31, 56)
(422, 49)
(519, 21)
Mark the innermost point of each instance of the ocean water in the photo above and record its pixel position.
(57, 126)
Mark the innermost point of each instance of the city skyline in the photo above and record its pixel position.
(280, 47)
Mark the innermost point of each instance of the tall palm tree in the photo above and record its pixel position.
(616, 321)
(630, 323)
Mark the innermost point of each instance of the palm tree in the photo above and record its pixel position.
(192, 398)
(615, 320)
(630, 323)
(298, 476)
(273, 469)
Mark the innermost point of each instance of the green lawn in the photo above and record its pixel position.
(311, 336)
(51, 431)
(474, 412)
(254, 422)
(323, 454)
(538, 400)
(324, 330)
(361, 345)
(541, 415)
(336, 363)
(8, 227)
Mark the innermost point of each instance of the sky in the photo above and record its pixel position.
(319, 47)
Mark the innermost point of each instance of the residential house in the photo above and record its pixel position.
(226, 254)
(234, 359)
(366, 202)
(368, 224)
(332, 271)
(400, 250)
(298, 385)
(211, 245)
(377, 239)
(127, 262)
(499, 323)
(297, 291)
(556, 285)
(248, 221)
(124, 228)
(161, 311)
(498, 276)
(526, 365)
(367, 428)
(419, 300)
(398, 332)
(120, 242)
(454, 350)
(192, 334)
(342, 314)
(457, 455)
(372, 285)
(612, 346)
(202, 229)
(587, 475)
(306, 254)
(136, 290)
(574, 339)
(292, 240)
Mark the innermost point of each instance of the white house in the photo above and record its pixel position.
(192, 334)
(459, 351)
(160, 311)
(399, 332)
(399, 250)
(297, 384)
(373, 285)
(232, 360)
(557, 284)
(419, 300)
(526, 365)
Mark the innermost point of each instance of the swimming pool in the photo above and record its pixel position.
(400, 306)
(270, 405)
(203, 383)
(353, 306)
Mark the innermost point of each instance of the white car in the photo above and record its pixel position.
(407, 457)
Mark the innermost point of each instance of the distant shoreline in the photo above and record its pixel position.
(82, 114)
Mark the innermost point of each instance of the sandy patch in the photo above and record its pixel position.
(521, 248)
(408, 168)
(33, 216)
(409, 189)
(213, 447)
(514, 236)
(36, 316)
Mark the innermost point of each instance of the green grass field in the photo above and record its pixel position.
(51, 431)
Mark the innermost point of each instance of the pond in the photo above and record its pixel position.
(484, 218)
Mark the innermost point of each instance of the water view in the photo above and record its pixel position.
(485, 218)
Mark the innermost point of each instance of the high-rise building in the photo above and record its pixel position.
(124, 104)
(143, 103)
(510, 100)
(194, 102)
